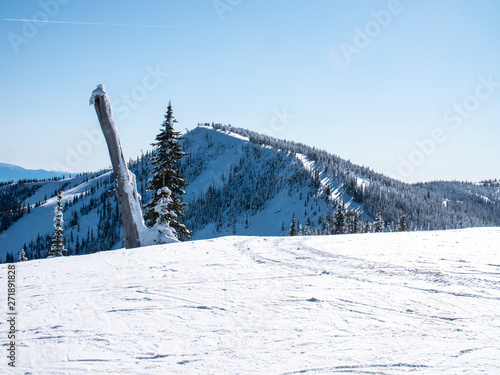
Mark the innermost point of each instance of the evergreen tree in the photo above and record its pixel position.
(378, 226)
(9, 258)
(22, 256)
(339, 220)
(165, 161)
(293, 230)
(307, 229)
(57, 247)
(351, 221)
(403, 223)
(165, 216)
(367, 227)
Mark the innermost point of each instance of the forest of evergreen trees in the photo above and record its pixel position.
(425, 206)
(93, 221)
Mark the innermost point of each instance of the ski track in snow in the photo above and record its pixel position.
(388, 303)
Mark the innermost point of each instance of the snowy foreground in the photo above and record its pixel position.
(425, 302)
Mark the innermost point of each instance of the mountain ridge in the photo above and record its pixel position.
(11, 172)
(241, 183)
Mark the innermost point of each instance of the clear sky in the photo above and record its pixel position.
(408, 88)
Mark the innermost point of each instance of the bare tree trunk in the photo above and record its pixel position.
(126, 189)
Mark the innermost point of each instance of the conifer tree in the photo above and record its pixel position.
(367, 227)
(165, 160)
(351, 217)
(293, 229)
(57, 248)
(22, 256)
(378, 226)
(165, 216)
(339, 220)
(307, 229)
(403, 223)
(9, 258)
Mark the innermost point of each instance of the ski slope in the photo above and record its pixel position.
(388, 303)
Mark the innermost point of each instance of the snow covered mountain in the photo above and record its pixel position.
(10, 172)
(480, 194)
(240, 183)
(239, 187)
(385, 303)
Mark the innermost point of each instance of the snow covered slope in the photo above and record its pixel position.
(240, 188)
(388, 303)
(235, 188)
(83, 196)
(240, 185)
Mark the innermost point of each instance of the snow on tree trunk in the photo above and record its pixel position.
(126, 189)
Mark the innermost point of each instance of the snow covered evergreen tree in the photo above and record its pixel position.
(22, 256)
(165, 160)
(57, 248)
(378, 225)
(339, 220)
(367, 227)
(164, 233)
(352, 221)
(403, 223)
(307, 229)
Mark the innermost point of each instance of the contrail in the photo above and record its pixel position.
(118, 24)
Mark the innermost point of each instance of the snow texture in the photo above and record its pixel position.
(99, 91)
(388, 303)
(229, 133)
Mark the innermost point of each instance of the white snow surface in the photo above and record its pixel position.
(229, 133)
(386, 303)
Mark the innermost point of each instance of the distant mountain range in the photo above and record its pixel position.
(244, 183)
(11, 172)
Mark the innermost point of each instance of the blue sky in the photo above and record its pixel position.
(408, 88)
